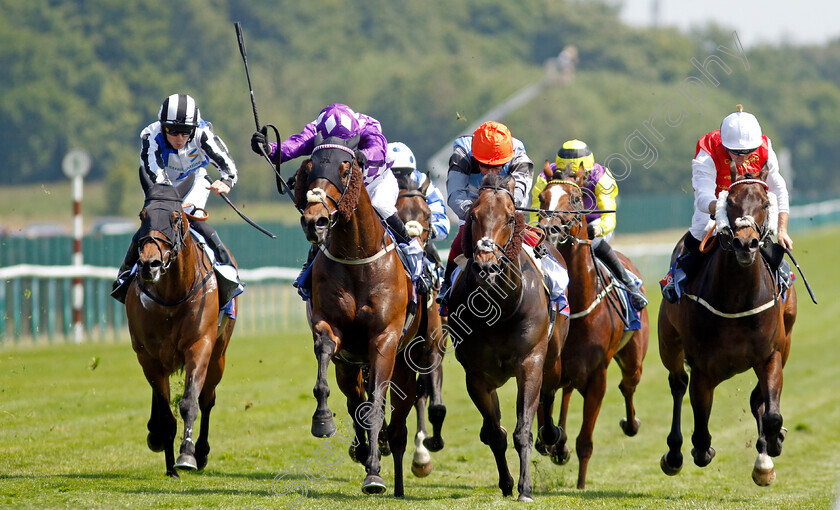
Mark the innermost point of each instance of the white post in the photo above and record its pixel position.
(76, 165)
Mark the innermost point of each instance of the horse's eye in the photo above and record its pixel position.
(511, 220)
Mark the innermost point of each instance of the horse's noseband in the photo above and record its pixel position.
(564, 229)
(488, 245)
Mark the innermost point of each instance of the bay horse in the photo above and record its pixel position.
(499, 322)
(732, 319)
(174, 322)
(359, 313)
(596, 327)
(425, 353)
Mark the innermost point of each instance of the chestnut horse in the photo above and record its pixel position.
(425, 354)
(596, 329)
(173, 320)
(732, 319)
(359, 309)
(499, 323)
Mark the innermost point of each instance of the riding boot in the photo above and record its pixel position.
(637, 298)
(691, 257)
(687, 264)
(303, 282)
(124, 276)
(412, 251)
(229, 284)
(446, 286)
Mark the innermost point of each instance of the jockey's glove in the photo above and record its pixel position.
(259, 142)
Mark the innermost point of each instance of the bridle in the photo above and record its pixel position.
(564, 229)
(424, 241)
(489, 245)
(725, 231)
(318, 195)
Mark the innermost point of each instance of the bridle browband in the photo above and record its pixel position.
(577, 216)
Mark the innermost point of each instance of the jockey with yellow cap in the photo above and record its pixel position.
(599, 192)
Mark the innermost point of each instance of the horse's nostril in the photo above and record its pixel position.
(154, 264)
(322, 222)
(754, 244)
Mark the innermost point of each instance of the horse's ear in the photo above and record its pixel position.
(733, 172)
(510, 184)
(580, 175)
(547, 171)
(765, 170)
(425, 186)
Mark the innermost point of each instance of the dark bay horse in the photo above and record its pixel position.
(499, 322)
(359, 309)
(596, 330)
(173, 320)
(425, 354)
(731, 318)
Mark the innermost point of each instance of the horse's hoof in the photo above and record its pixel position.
(668, 468)
(373, 484)
(562, 456)
(549, 435)
(628, 430)
(171, 473)
(525, 499)
(323, 427)
(421, 470)
(763, 473)
(186, 462)
(433, 443)
(541, 448)
(154, 445)
(705, 459)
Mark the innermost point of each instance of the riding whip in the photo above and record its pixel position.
(807, 286)
(247, 219)
(275, 168)
(550, 211)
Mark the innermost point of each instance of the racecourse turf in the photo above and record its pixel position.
(73, 427)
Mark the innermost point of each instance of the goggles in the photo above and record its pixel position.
(742, 152)
(179, 130)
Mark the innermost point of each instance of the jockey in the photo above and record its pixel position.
(402, 163)
(341, 121)
(740, 141)
(599, 192)
(490, 149)
(175, 150)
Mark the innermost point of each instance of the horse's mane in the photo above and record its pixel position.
(512, 250)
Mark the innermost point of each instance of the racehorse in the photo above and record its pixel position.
(597, 329)
(359, 312)
(425, 354)
(499, 323)
(173, 319)
(733, 319)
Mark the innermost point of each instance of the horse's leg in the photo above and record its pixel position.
(673, 358)
(529, 375)
(764, 402)
(560, 452)
(349, 380)
(492, 433)
(593, 396)
(403, 387)
(629, 360)
(548, 434)
(437, 409)
(323, 424)
(162, 425)
(383, 356)
(701, 391)
(421, 463)
(207, 398)
(196, 359)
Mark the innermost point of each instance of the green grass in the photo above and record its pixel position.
(74, 437)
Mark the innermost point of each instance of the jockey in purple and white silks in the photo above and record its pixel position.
(339, 120)
(175, 150)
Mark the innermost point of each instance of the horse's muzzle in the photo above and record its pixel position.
(488, 267)
(150, 270)
(315, 228)
(745, 250)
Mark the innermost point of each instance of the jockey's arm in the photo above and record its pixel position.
(440, 222)
(776, 184)
(703, 179)
(539, 186)
(522, 170)
(606, 191)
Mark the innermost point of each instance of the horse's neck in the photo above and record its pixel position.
(583, 272)
(361, 236)
(182, 273)
(724, 277)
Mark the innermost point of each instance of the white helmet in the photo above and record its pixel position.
(740, 131)
(400, 156)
